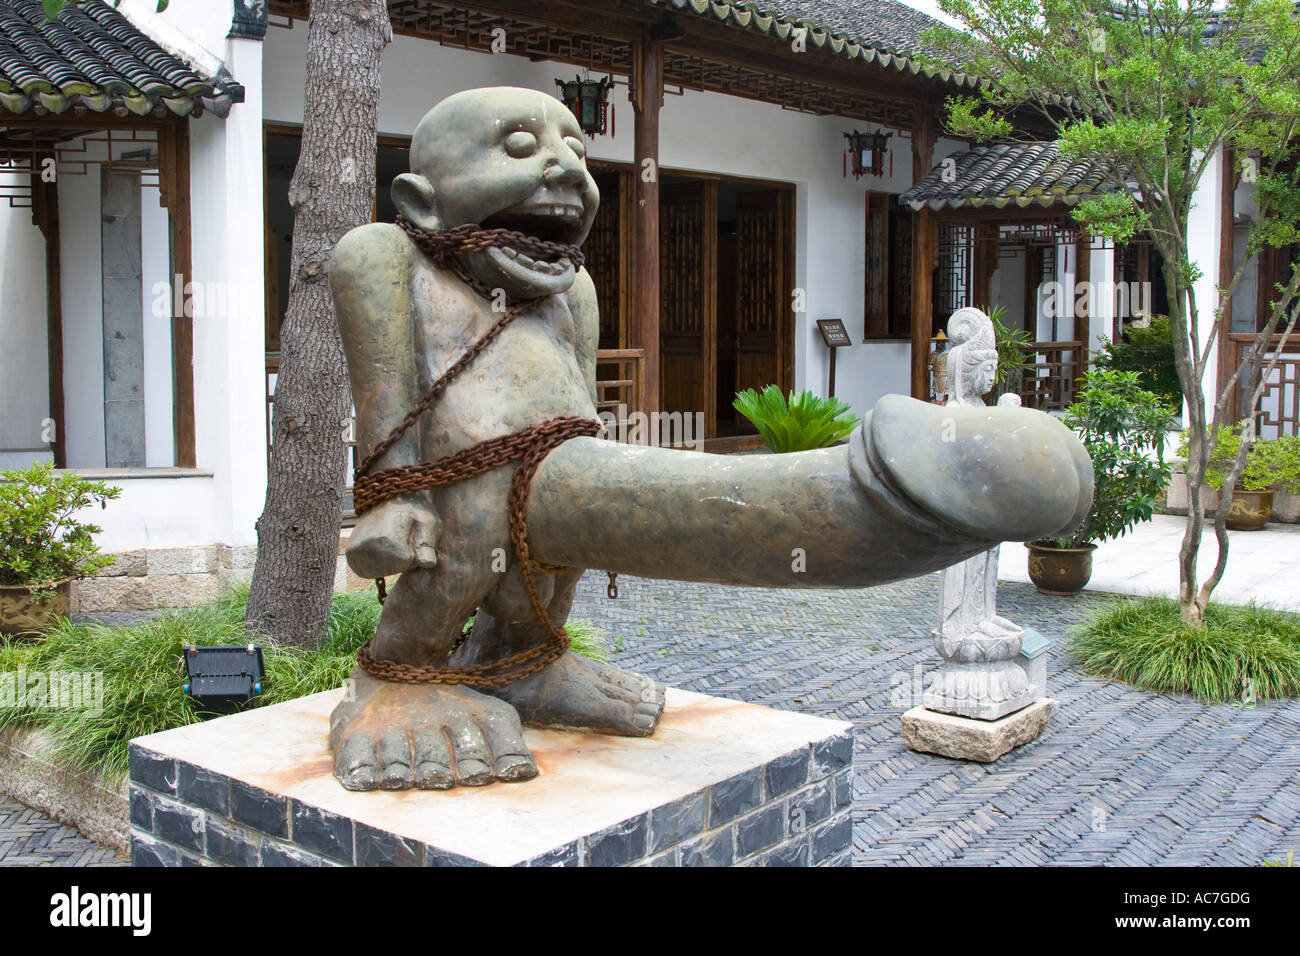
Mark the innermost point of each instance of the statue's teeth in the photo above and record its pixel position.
(525, 260)
(508, 252)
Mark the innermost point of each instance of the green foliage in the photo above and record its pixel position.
(1123, 427)
(1148, 351)
(1241, 654)
(1270, 462)
(53, 8)
(1013, 352)
(143, 671)
(41, 542)
(807, 421)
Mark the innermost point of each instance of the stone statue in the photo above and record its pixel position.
(470, 331)
(979, 677)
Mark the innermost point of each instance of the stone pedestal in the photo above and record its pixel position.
(720, 783)
(965, 738)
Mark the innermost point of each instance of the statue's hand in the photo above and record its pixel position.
(393, 537)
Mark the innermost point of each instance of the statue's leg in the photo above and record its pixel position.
(432, 736)
(572, 693)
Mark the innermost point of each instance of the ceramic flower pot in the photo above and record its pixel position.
(26, 610)
(1249, 510)
(1060, 571)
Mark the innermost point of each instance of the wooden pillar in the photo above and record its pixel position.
(1083, 317)
(174, 189)
(648, 77)
(45, 213)
(924, 254)
(985, 263)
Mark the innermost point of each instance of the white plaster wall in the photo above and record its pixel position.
(698, 132)
(24, 358)
(83, 318)
(156, 512)
(159, 439)
(1203, 250)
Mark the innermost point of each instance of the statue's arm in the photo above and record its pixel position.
(586, 324)
(370, 278)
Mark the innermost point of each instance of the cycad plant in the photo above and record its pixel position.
(806, 421)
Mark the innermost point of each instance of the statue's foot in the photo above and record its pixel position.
(427, 736)
(575, 693)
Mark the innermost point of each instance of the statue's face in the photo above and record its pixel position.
(509, 158)
(981, 372)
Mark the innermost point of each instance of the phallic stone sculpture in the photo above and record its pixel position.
(980, 677)
(470, 330)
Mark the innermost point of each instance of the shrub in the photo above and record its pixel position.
(40, 540)
(1149, 351)
(1122, 426)
(1271, 462)
(808, 421)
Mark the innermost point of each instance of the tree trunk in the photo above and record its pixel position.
(332, 191)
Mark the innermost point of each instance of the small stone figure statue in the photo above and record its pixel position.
(980, 677)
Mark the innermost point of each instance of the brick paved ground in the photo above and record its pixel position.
(29, 838)
(1120, 776)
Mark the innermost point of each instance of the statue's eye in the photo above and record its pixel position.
(521, 143)
(576, 144)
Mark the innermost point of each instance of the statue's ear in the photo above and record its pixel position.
(413, 196)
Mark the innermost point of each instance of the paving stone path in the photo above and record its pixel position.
(29, 838)
(1121, 776)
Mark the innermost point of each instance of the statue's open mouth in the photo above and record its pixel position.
(540, 271)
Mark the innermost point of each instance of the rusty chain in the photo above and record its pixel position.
(528, 446)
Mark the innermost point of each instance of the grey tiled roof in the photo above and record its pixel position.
(92, 58)
(1009, 174)
(883, 32)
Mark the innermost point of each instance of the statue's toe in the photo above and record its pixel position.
(999, 473)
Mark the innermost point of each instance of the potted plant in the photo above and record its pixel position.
(1014, 350)
(1270, 463)
(807, 421)
(1123, 427)
(42, 545)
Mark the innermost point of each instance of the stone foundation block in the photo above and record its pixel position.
(964, 738)
(721, 783)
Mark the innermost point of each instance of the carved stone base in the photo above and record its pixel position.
(984, 691)
(981, 740)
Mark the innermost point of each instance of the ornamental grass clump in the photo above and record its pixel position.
(805, 422)
(142, 673)
(1243, 653)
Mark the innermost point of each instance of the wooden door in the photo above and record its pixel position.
(688, 225)
(763, 287)
(607, 260)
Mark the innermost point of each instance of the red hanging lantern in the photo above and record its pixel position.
(867, 152)
(588, 101)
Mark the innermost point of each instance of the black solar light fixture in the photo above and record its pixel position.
(221, 679)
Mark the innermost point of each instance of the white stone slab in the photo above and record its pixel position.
(587, 781)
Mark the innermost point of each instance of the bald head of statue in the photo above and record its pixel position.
(502, 157)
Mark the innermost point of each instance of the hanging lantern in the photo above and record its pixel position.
(588, 101)
(867, 152)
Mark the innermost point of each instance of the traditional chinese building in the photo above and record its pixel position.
(762, 166)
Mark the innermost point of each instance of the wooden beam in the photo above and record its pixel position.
(45, 210)
(648, 97)
(924, 255)
(174, 181)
